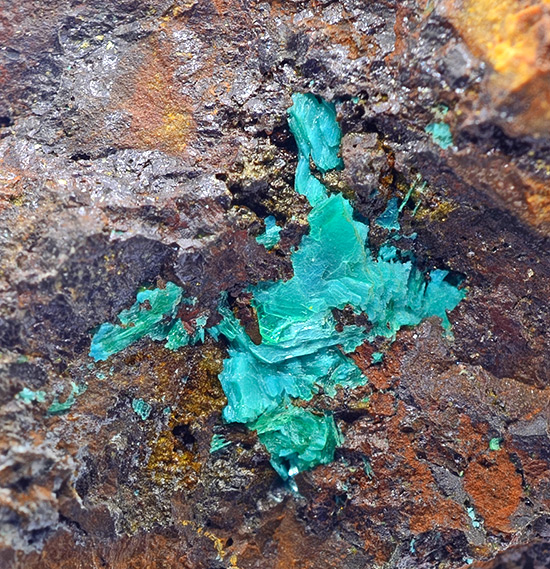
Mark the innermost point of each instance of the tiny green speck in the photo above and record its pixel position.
(377, 357)
(440, 111)
(495, 443)
(473, 517)
(367, 467)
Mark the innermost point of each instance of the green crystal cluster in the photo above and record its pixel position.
(297, 439)
(152, 315)
(302, 352)
(264, 382)
(317, 133)
(217, 443)
(28, 395)
(57, 407)
(141, 408)
(270, 387)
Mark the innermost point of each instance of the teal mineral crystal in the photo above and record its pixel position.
(389, 218)
(334, 268)
(141, 408)
(257, 379)
(317, 133)
(152, 315)
(271, 236)
(217, 443)
(377, 357)
(297, 439)
(28, 395)
(145, 318)
(59, 407)
(441, 134)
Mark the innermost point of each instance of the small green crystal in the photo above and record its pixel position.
(377, 357)
(271, 236)
(177, 337)
(145, 318)
(152, 315)
(200, 324)
(141, 408)
(495, 443)
(28, 396)
(441, 134)
(296, 438)
(217, 443)
(440, 111)
(472, 515)
(389, 218)
(58, 408)
(367, 467)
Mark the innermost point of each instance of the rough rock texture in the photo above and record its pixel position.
(143, 141)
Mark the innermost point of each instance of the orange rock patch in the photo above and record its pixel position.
(495, 488)
(161, 116)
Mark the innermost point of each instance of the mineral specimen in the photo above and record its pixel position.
(28, 395)
(145, 318)
(217, 443)
(389, 218)
(301, 352)
(142, 142)
(58, 407)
